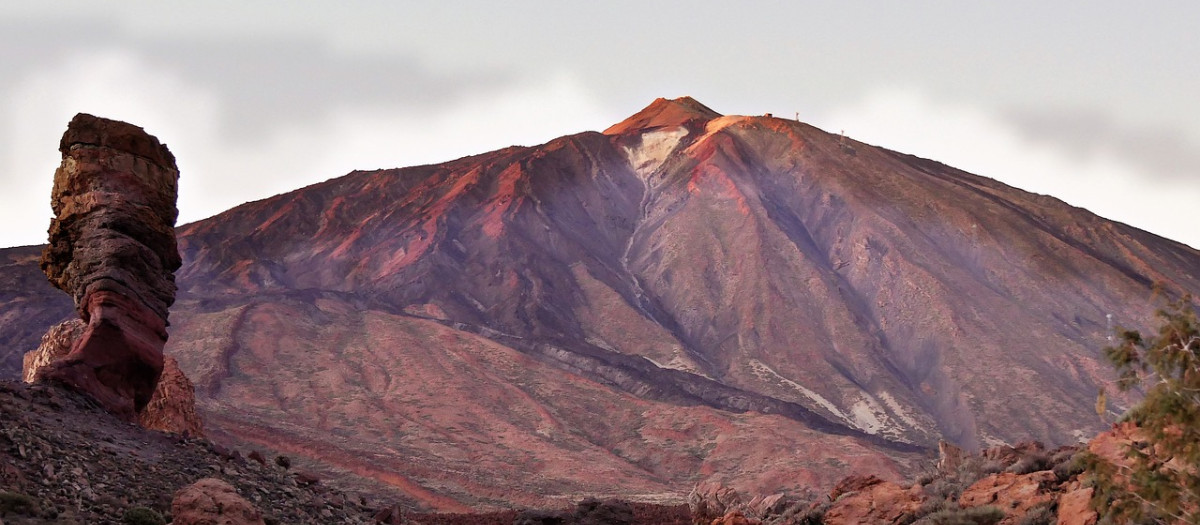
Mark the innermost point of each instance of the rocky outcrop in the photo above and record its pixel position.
(211, 501)
(173, 406)
(112, 247)
(950, 457)
(55, 345)
(1074, 506)
(1015, 494)
(871, 500)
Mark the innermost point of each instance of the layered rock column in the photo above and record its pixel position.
(112, 247)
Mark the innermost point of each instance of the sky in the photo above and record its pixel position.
(1095, 103)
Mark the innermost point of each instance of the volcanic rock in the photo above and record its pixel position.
(112, 248)
(878, 502)
(1012, 493)
(56, 344)
(211, 501)
(1074, 506)
(173, 406)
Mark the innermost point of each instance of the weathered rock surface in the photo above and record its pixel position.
(56, 344)
(1012, 493)
(211, 501)
(1074, 506)
(872, 501)
(173, 406)
(112, 248)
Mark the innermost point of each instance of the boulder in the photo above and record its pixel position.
(112, 248)
(1015, 494)
(1074, 506)
(710, 500)
(211, 501)
(868, 500)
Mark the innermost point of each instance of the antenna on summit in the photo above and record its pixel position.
(1109, 330)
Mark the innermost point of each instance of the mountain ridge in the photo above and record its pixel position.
(681, 262)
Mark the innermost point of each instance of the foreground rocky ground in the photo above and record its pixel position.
(64, 460)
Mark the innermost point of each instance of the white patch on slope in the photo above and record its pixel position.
(655, 147)
(866, 416)
(866, 413)
(898, 410)
(765, 372)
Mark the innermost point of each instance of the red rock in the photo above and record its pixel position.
(55, 345)
(855, 483)
(710, 500)
(1012, 493)
(950, 457)
(257, 456)
(304, 478)
(112, 247)
(173, 406)
(881, 502)
(211, 501)
(1074, 507)
(735, 518)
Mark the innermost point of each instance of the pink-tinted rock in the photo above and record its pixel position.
(1074, 507)
(735, 518)
(55, 345)
(173, 407)
(112, 247)
(1012, 493)
(211, 501)
(873, 502)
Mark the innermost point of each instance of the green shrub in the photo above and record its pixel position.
(1163, 477)
(1032, 463)
(1044, 513)
(18, 504)
(986, 515)
(142, 516)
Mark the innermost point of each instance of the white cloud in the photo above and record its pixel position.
(217, 170)
(981, 142)
(111, 83)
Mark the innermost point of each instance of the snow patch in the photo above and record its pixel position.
(655, 147)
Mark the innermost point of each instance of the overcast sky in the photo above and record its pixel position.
(1096, 103)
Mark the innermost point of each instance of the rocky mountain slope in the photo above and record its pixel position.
(684, 297)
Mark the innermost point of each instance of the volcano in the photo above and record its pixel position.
(683, 297)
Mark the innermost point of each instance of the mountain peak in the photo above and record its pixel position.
(664, 113)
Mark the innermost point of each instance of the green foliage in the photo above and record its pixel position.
(1163, 479)
(985, 515)
(15, 503)
(1040, 514)
(142, 516)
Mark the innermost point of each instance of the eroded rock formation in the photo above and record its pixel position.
(112, 247)
(210, 501)
(173, 406)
